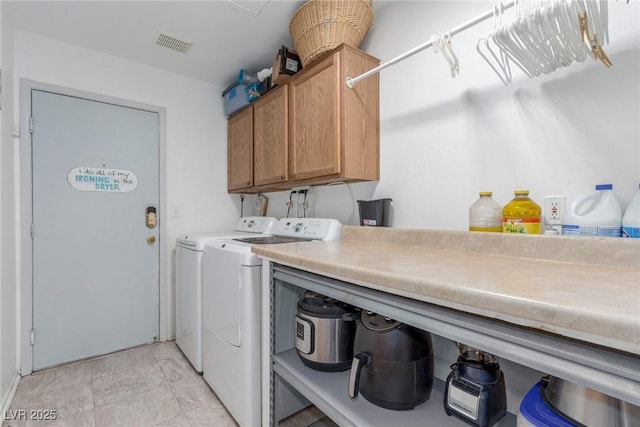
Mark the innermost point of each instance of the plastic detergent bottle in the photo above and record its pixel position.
(485, 214)
(596, 214)
(521, 215)
(631, 218)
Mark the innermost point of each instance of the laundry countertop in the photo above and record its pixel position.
(578, 287)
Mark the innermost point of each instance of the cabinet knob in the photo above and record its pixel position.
(248, 182)
(281, 177)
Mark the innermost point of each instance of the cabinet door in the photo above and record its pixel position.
(240, 150)
(315, 129)
(271, 137)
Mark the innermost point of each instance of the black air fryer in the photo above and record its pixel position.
(475, 391)
(392, 364)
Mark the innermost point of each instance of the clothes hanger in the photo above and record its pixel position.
(542, 37)
(506, 79)
(543, 33)
(455, 65)
(505, 41)
(526, 47)
(558, 50)
(604, 21)
(570, 29)
(442, 43)
(527, 41)
(503, 70)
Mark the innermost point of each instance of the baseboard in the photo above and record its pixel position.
(8, 397)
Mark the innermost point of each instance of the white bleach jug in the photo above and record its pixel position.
(596, 214)
(631, 218)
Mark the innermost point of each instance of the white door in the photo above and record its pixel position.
(95, 261)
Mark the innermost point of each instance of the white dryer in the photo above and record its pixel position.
(189, 253)
(231, 312)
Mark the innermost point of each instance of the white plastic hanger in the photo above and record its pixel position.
(454, 64)
(566, 16)
(503, 69)
(604, 21)
(442, 44)
(515, 42)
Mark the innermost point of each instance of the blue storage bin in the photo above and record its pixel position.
(534, 411)
(238, 95)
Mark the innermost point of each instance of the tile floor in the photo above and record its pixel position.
(152, 385)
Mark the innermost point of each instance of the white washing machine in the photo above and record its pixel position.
(189, 253)
(231, 313)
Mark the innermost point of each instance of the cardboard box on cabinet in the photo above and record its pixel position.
(285, 64)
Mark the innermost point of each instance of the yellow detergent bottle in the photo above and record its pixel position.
(521, 215)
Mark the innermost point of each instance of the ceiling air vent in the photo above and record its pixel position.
(252, 7)
(174, 43)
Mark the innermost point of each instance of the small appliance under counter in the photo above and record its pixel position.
(362, 269)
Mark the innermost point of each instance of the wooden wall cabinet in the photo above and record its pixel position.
(240, 151)
(334, 131)
(258, 144)
(313, 130)
(270, 138)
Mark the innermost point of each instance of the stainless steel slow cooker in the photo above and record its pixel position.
(324, 330)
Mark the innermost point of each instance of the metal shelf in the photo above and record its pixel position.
(614, 373)
(328, 391)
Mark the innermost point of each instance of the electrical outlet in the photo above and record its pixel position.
(554, 210)
(301, 189)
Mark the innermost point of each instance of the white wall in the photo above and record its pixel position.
(195, 132)
(8, 268)
(443, 139)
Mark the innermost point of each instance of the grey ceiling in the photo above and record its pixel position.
(226, 35)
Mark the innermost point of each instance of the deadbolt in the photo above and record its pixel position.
(151, 239)
(151, 219)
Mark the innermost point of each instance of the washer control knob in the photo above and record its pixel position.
(298, 227)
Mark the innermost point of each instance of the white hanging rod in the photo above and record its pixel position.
(351, 81)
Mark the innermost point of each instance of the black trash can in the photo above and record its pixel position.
(374, 212)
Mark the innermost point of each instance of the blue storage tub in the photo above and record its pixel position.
(239, 95)
(534, 411)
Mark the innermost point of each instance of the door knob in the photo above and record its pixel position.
(151, 239)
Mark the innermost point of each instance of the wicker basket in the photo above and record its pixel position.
(321, 25)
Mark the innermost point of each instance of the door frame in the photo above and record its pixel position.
(26, 210)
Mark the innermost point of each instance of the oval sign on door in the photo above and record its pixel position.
(86, 178)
